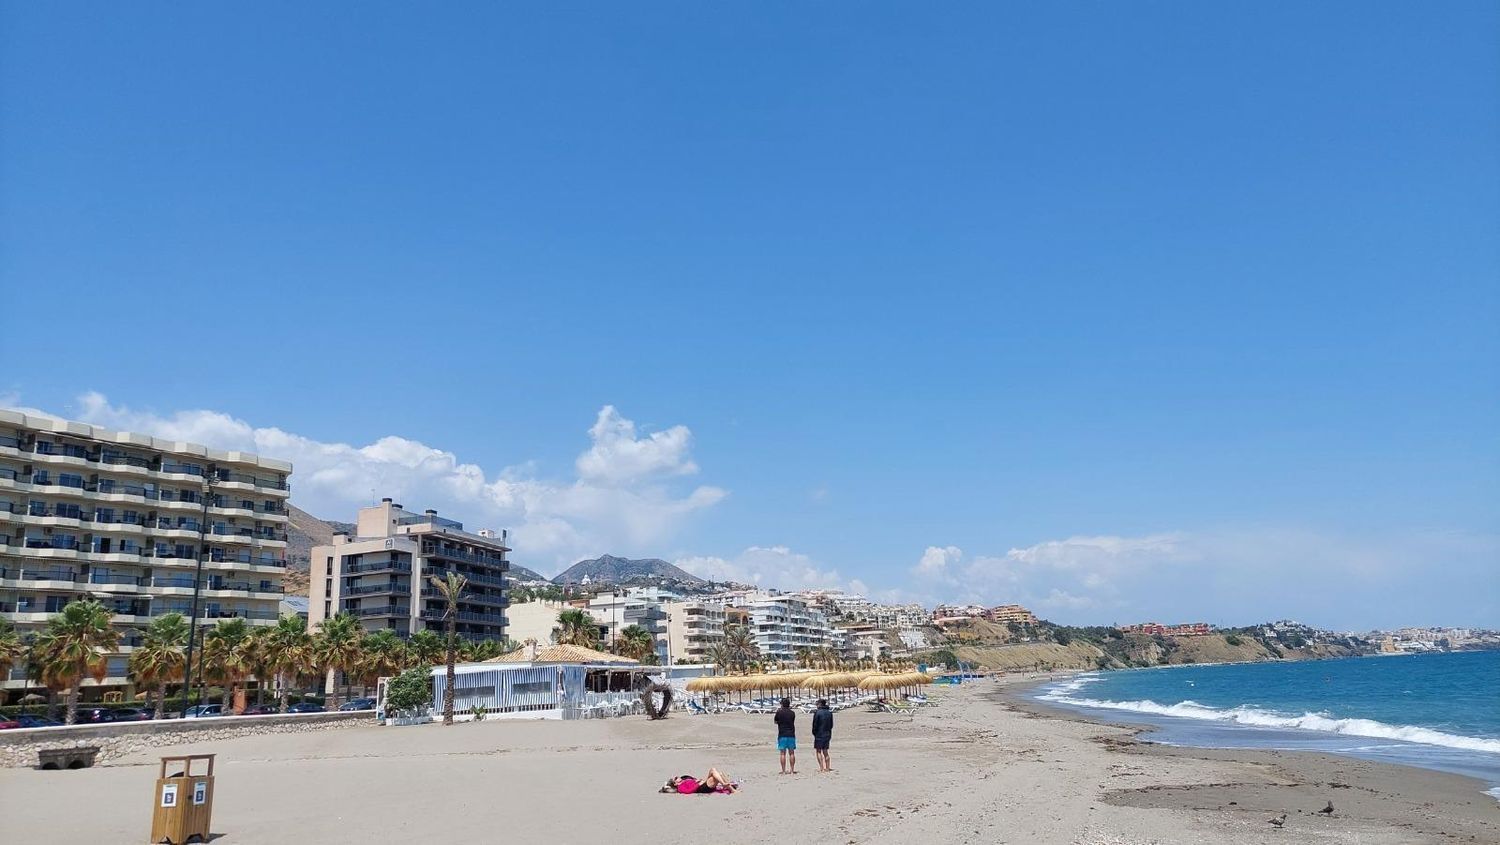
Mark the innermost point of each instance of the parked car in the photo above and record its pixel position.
(9, 724)
(204, 711)
(131, 714)
(305, 707)
(358, 704)
(261, 710)
(29, 720)
(95, 715)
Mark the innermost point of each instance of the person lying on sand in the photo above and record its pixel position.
(714, 782)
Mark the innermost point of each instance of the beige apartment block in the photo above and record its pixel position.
(381, 575)
(128, 519)
(693, 629)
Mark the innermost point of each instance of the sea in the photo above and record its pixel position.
(1435, 710)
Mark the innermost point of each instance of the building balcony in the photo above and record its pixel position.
(376, 589)
(244, 481)
(377, 566)
(436, 550)
(397, 610)
(469, 598)
(41, 577)
(472, 577)
(466, 616)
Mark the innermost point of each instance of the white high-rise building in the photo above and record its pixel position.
(127, 519)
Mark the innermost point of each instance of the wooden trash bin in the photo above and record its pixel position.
(184, 802)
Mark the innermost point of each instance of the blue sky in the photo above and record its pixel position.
(1128, 312)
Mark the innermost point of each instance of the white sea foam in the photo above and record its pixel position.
(1062, 694)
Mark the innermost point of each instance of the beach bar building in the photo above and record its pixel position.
(544, 682)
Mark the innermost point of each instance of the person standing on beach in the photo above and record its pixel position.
(822, 734)
(786, 735)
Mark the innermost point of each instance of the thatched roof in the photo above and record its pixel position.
(533, 653)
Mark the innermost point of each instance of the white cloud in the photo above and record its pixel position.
(618, 456)
(775, 567)
(1234, 576)
(622, 501)
(938, 564)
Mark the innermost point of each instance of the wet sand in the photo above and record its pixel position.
(973, 768)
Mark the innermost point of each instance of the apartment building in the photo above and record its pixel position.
(380, 575)
(1007, 613)
(784, 625)
(617, 611)
(693, 629)
(128, 519)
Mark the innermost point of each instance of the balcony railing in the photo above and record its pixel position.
(467, 616)
(118, 459)
(469, 598)
(377, 566)
(242, 478)
(368, 589)
(222, 556)
(472, 577)
(435, 550)
(39, 575)
(131, 580)
(12, 442)
(386, 611)
(181, 468)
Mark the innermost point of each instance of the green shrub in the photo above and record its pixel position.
(409, 691)
(1233, 639)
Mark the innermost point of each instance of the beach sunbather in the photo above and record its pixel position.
(714, 782)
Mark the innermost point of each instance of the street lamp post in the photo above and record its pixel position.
(208, 488)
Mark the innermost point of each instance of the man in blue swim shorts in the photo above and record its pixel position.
(786, 736)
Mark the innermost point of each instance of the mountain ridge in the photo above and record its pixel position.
(610, 569)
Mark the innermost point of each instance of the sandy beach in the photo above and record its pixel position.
(973, 768)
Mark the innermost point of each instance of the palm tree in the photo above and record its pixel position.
(159, 660)
(483, 650)
(223, 660)
(828, 658)
(255, 657)
(425, 649)
(576, 627)
(718, 655)
(288, 653)
(384, 655)
(337, 648)
(636, 643)
(804, 658)
(10, 648)
(450, 588)
(741, 646)
(76, 644)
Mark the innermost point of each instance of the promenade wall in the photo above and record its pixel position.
(18, 748)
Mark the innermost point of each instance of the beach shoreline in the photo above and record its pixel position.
(974, 767)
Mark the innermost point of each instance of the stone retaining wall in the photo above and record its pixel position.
(18, 748)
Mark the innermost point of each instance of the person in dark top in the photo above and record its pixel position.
(822, 734)
(786, 735)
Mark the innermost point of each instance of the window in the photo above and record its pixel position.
(184, 550)
(43, 447)
(37, 508)
(104, 514)
(69, 479)
(328, 566)
(327, 609)
(131, 518)
(56, 603)
(247, 504)
(41, 477)
(129, 547)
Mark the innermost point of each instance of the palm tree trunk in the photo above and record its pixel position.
(448, 690)
(228, 695)
(70, 717)
(285, 690)
(161, 699)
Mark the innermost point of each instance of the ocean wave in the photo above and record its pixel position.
(1268, 719)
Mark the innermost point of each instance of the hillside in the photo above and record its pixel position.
(1045, 646)
(618, 570)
